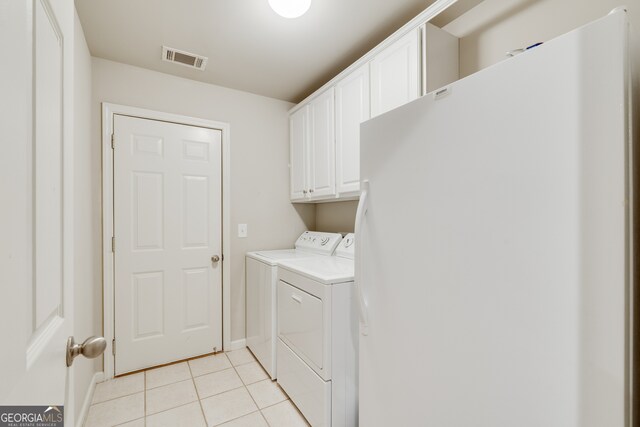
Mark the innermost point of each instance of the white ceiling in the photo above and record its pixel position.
(249, 47)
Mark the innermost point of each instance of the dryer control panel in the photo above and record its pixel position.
(318, 242)
(347, 247)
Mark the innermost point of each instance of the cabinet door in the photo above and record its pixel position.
(322, 146)
(352, 108)
(395, 77)
(298, 124)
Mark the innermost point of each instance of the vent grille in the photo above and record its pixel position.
(181, 57)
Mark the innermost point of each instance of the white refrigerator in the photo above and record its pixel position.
(494, 245)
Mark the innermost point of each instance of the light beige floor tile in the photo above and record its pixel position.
(136, 423)
(240, 357)
(116, 411)
(167, 374)
(252, 420)
(118, 387)
(206, 365)
(284, 415)
(266, 393)
(170, 396)
(251, 373)
(184, 416)
(217, 382)
(227, 406)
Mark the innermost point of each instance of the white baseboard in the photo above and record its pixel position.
(237, 345)
(97, 377)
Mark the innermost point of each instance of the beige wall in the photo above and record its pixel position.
(497, 26)
(87, 239)
(336, 217)
(259, 156)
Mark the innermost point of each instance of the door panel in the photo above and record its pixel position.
(298, 167)
(322, 145)
(395, 79)
(36, 183)
(167, 222)
(352, 108)
(197, 305)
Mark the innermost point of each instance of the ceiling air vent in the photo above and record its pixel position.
(181, 57)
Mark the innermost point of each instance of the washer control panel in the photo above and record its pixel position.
(318, 242)
(346, 248)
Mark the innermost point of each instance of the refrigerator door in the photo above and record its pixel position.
(494, 261)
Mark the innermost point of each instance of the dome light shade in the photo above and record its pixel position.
(290, 8)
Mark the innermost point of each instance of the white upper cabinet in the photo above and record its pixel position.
(298, 124)
(325, 128)
(321, 145)
(395, 74)
(352, 108)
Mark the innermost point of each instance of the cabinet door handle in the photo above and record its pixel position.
(304, 191)
(296, 298)
(311, 191)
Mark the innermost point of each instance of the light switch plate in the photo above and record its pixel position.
(242, 230)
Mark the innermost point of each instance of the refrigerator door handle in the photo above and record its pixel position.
(360, 214)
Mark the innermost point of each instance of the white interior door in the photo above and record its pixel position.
(168, 226)
(36, 187)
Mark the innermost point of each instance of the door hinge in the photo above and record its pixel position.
(113, 141)
(222, 257)
(113, 346)
(113, 244)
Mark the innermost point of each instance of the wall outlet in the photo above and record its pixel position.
(242, 230)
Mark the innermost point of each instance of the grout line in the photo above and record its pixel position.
(277, 403)
(236, 418)
(116, 398)
(145, 398)
(253, 357)
(243, 363)
(130, 421)
(213, 372)
(264, 418)
(223, 392)
(251, 396)
(172, 382)
(197, 395)
(175, 362)
(167, 410)
(248, 392)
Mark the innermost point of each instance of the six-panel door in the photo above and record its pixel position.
(167, 222)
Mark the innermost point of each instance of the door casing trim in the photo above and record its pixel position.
(108, 112)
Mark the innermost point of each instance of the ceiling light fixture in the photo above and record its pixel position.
(290, 8)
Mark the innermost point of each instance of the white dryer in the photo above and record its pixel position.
(317, 358)
(261, 283)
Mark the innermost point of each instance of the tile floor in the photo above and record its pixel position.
(229, 389)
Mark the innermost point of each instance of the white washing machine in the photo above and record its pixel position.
(317, 358)
(261, 283)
